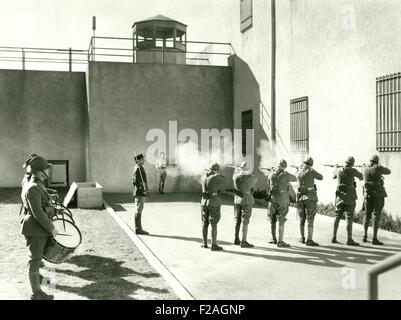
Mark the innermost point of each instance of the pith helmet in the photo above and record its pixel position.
(28, 161)
(350, 160)
(374, 158)
(39, 164)
(282, 163)
(309, 161)
(214, 166)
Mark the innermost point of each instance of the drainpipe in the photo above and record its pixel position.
(273, 72)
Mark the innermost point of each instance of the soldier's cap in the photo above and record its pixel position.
(214, 167)
(282, 163)
(309, 161)
(350, 160)
(374, 158)
(39, 163)
(139, 157)
(28, 161)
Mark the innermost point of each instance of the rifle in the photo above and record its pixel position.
(294, 166)
(338, 166)
(267, 169)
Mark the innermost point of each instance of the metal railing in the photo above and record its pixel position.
(376, 270)
(110, 49)
(20, 57)
(117, 49)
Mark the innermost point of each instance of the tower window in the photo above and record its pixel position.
(246, 123)
(299, 127)
(246, 15)
(388, 113)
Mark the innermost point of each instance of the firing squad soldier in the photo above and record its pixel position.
(212, 181)
(140, 192)
(244, 181)
(36, 225)
(374, 194)
(307, 198)
(279, 181)
(346, 197)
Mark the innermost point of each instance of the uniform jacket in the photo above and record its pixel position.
(346, 188)
(306, 183)
(211, 185)
(36, 222)
(243, 183)
(372, 176)
(139, 186)
(279, 181)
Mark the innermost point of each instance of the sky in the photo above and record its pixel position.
(68, 23)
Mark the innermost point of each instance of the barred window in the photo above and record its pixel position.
(299, 127)
(388, 113)
(246, 15)
(246, 123)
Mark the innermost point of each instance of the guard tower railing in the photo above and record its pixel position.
(114, 49)
(379, 268)
(28, 58)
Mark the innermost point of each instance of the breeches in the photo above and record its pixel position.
(344, 209)
(373, 206)
(139, 204)
(35, 245)
(278, 212)
(242, 212)
(210, 215)
(307, 210)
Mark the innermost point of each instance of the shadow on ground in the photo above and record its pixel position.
(329, 256)
(107, 279)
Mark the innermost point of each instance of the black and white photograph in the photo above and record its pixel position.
(200, 155)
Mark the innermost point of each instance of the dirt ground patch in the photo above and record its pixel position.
(107, 265)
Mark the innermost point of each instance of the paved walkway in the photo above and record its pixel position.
(264, 272)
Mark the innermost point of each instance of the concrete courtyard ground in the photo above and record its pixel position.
(107, 265)
(265, 271)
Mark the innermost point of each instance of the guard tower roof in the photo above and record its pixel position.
(159, 17)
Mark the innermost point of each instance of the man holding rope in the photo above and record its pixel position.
(140, 192)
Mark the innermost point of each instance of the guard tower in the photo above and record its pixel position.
(160, 40)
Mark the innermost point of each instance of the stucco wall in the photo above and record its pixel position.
(41, 112)
(330, 51)
(127, 100)
(336, 51)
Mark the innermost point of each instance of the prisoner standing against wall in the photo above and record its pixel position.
(212, 181)
(279, 181)
(244, 181)
(160, 165)
(374, 194)
(36, 225)
(140, 192)
(307, 199)
(346, 197)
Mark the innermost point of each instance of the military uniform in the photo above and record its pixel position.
(279, 181)
(210, 204)
(346, 197)
(374, 194)
(36, 226)
(160, 166)
(139, 193)
(243, 202)
(307, 200)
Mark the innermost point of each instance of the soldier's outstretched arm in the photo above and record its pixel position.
(384, 170)
(358, 174)
(317, 175)
(35, 206)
